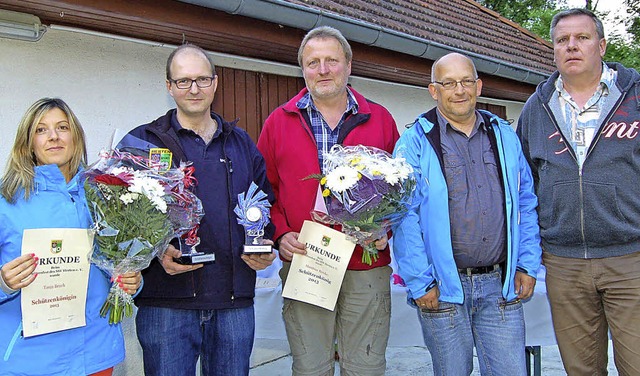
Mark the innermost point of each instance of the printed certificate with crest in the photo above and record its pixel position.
(316, 277)
(56, 299)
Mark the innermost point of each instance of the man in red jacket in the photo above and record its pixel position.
(293, 140)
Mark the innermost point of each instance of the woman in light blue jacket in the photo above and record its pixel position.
(41, 188)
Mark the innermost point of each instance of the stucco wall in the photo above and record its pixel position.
(113, 82)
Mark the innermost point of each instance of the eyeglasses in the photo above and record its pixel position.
(449, 85)
(186, 83)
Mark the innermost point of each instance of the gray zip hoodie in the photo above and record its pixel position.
(593, 211)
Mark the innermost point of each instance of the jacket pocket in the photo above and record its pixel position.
(559, 213)
(596, 220)
(491, 169)
(604, 222)
(456, 176)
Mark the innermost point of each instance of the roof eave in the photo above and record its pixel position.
(306, 18)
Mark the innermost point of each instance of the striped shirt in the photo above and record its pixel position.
(579, 125)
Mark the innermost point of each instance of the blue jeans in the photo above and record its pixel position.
(173, 339)
(486, 320)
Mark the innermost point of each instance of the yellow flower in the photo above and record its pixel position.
(326, 193)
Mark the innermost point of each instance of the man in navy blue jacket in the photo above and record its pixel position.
(202, 310)
(579, 132)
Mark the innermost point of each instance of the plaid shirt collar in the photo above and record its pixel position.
(607, 79)
(325, 137)
(306, 101)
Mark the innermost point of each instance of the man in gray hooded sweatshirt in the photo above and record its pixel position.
(579, 132)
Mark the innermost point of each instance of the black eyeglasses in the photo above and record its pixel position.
(449, 85)
(186, 83)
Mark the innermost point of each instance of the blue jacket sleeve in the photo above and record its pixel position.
(530, 251)
(5, 291)
(409, 246)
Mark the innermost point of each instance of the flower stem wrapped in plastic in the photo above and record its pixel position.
(136, 210)
(366, 191)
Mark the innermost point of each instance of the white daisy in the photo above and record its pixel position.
(128, 198)
(342, 178)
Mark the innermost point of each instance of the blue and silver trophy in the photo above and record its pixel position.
(253, 213)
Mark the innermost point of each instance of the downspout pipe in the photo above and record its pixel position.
(305, 18)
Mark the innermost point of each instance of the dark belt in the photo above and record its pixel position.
(479, 270)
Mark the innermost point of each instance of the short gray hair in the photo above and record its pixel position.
(323, 32)
(576, 12)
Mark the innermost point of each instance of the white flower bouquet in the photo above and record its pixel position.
(136, 211)
(366, 191)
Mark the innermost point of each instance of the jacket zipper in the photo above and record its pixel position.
(580, 188)
(506, 190)
(229, 167)
(580, 167)
(16, 336)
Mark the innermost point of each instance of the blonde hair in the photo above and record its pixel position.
(20, 172)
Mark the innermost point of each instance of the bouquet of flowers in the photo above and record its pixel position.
(136, 210)
(366, 191)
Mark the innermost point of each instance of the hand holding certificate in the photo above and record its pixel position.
(316, 277)
(56, 299)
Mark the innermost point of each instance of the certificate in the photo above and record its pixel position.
(316, 277)
(56, 299)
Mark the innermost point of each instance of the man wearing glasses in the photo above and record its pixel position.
(202, 310)
(469, 248)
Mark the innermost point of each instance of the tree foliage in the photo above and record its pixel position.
(536, 15)
(632, 21)
(518, 11)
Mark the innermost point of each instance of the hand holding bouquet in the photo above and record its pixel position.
(366, 191)
(136, 211)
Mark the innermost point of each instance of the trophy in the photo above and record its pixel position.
(253, 213)
(190, 255)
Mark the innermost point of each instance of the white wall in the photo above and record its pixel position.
(108, 83)
(112, 82)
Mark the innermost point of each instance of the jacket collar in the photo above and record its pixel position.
(49, 177)
(627, 79)
(363, 104)
(164, 123)
(428, 122)
(162, 129)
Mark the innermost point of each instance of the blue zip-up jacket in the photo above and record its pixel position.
(80, 351)
(422, 241)
(230, 164)
(593, 211)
